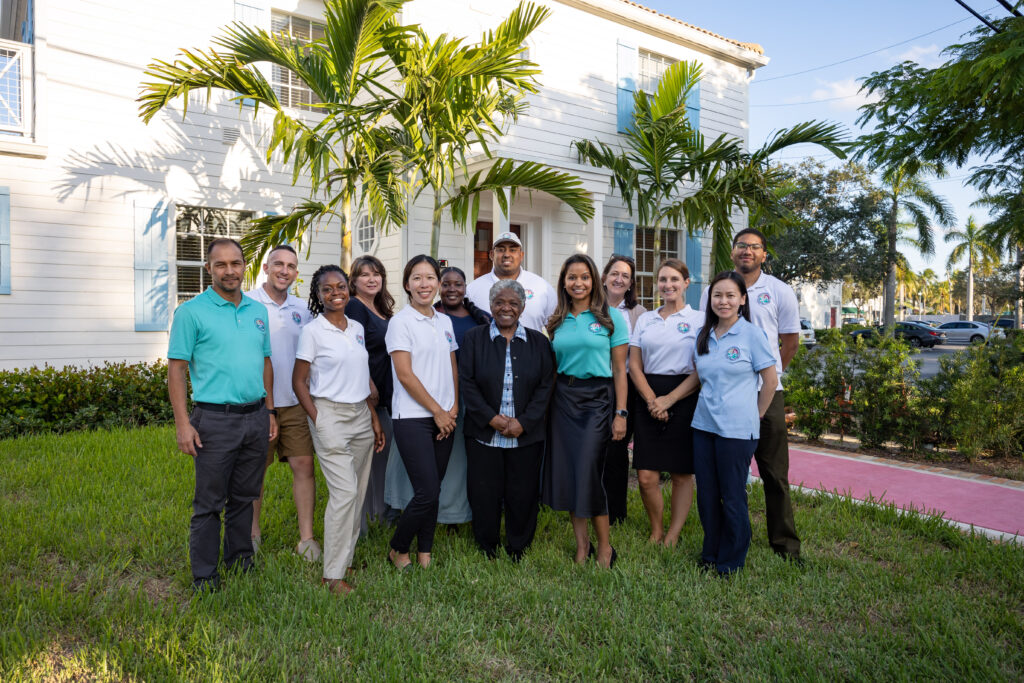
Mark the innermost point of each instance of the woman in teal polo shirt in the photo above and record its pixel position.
(590, 342)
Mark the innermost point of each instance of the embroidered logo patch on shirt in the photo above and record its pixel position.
(732, 353)
(448, 336)
(595, 328)
(764, 298)
(296, 318)
(683, 327)
(359, 339)
(529, 293)
(260, 325)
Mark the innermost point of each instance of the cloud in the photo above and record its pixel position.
(847, 89)
(925, 55)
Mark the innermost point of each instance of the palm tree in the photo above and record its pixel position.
(926, 284)
(661, 150)
(454, 100)
(909, 194)
(907, 280)
(347, 153)
(971, 242)
(1006, 233)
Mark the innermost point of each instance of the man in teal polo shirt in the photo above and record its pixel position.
(222, 338)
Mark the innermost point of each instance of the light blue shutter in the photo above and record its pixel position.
(693, 106)
(624, 238)
(627, 60)
(5, 240)
(152, 267)
(694, 257)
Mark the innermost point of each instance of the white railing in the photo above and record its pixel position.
(15, 87)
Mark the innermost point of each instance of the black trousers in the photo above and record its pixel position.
(229, 475)
(509, 475)
(772, 456)
(426, 460)
(616, 464)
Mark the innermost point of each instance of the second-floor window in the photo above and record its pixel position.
(290, 90)
(652, 66)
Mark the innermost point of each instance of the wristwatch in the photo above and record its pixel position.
(622, 413)
(272, 411)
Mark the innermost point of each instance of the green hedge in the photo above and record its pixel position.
(49, 399)
(975, 403)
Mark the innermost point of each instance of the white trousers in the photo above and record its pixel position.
(343, 438)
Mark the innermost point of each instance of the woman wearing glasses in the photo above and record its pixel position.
(620, 288)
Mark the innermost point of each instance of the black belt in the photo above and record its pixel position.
(588, 381)
(236, 408)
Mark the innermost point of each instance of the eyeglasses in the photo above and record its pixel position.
(744, 246)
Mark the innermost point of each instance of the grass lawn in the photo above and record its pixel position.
(96, 586)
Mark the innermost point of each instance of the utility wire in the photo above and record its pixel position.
(866, 54)
(796, 104)
(980, 17)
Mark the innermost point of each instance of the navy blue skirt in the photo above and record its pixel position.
(580, 428)
(665, 446)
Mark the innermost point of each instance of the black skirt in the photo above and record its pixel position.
(664, 446)
(581, 426)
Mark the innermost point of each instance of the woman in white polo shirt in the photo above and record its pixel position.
(424, 406)
(331, 379)
(661, 358)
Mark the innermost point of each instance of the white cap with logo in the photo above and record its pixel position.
(506, 237)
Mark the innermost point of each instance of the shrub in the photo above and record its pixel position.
(52, 399)
(886, 399)
(818, 385)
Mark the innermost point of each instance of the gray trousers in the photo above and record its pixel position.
(229, 476)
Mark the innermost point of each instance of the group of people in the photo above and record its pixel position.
(498, 395)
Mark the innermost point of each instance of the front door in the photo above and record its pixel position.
(482, 245)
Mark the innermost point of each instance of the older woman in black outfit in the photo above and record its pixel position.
(506, 372)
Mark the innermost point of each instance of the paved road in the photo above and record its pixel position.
(929, 358)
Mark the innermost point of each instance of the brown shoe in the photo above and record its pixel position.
(337, 586)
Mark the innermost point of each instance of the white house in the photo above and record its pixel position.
(103, 220)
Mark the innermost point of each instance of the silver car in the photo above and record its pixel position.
(969, 331)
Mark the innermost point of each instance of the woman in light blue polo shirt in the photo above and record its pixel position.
(590, 342)
(731, 356)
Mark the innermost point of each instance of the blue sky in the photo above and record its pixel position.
(798, 35)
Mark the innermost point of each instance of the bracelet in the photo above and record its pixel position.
(272, 411)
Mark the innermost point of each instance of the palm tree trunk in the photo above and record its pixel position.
(970, 285)
(435, 226)
(346, 235)
(1019, 308)
(889, 291)
(655, 260)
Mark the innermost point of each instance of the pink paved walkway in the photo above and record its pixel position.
(986, 502)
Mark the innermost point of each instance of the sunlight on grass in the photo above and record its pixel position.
(97, 587)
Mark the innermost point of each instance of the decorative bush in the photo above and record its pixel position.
(818, 385)
(52, 399)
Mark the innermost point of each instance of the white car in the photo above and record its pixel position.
(807, 337)
(969, 331)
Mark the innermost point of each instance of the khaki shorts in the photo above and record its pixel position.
(293, 437)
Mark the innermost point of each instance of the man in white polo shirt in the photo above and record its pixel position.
(294, 444)
(773, 308)
(507, 257)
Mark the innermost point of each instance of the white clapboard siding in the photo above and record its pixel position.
(73, 212)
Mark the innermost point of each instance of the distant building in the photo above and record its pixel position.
(821, 305)
(104, 221)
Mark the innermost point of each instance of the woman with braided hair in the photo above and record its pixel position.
(332, 381)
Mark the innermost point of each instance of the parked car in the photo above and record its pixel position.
(1005, 323)
(914, 333)
(854, 321)
(969, 331)
(807, 337)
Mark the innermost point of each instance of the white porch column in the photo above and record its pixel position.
(468, 256)
(500, 219)
(596, 250)
(547, 227)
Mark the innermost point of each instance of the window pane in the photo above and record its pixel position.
(190, 247)
(196, 227)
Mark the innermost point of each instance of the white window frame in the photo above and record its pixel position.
(645, 275)
(365, 234)
(650, 67)
(286, 91)
(192, 222)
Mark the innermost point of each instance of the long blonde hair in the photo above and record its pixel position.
(598, 300)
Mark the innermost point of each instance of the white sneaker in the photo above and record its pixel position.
(309, 550)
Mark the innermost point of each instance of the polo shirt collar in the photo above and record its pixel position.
(260, 294)
(221, 301)
(735, 329)
(520, 331)
(685, 310)
(419, 316)
(328, 325)
(761, 281)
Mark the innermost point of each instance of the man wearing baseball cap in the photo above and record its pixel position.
(507, 257)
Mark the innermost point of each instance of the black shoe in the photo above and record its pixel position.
(205, 585)
(706, 567)
(615, 556)
(591, 552)
(790, 557)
